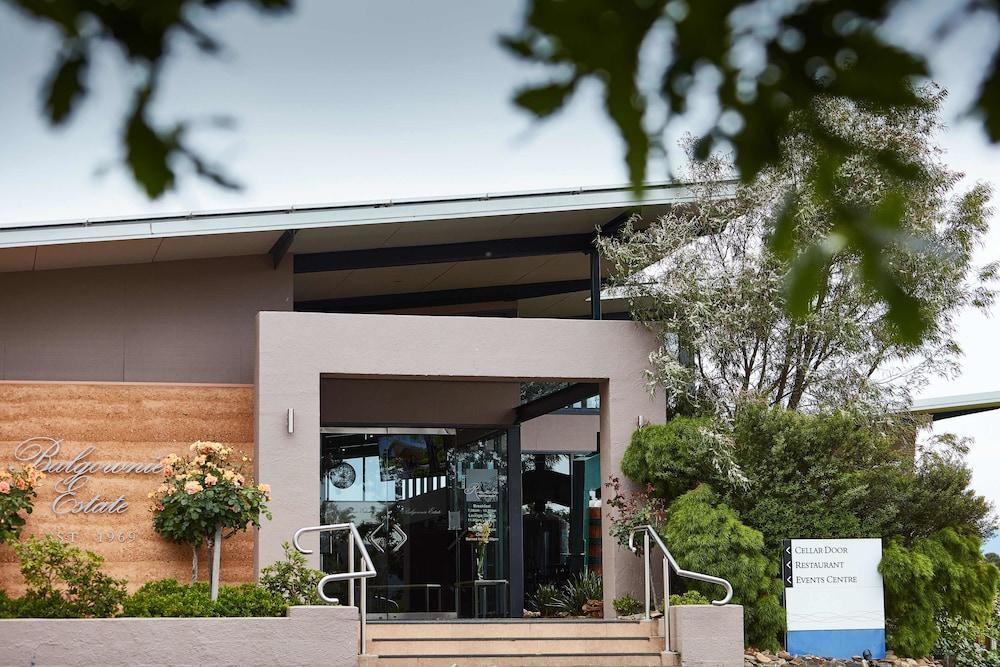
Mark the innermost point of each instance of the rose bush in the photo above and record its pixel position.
(17, 495)
(204, 494)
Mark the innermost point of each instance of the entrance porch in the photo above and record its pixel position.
(428, 413)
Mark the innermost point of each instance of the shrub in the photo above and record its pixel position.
(578, 590)
(17, 497)
(688, 598)
(677, 456)
(941, 575)
(705, 535)
(6, 606)
(632, 510)
(936, 495)
(627, 605)
(167, 597)
(546, 600)
(249, 600)
(957, 638)
(34, 604)
(815, 475)
(65, 580)
(292, 578)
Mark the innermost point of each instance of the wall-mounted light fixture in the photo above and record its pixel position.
(291, 421)
(641, 421)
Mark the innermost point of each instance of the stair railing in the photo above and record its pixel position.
(669, 562)
(366, 572)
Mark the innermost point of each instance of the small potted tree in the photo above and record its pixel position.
(205, 498)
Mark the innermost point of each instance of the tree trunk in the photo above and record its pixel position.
(216, 545)
(194, 563)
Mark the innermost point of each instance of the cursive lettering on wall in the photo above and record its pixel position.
(43, 452)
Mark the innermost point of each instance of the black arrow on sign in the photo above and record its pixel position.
(786, 564)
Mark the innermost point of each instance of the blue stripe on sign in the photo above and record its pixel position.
(836, 643)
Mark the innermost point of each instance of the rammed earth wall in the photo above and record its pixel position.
(306, 636)
(100, 444)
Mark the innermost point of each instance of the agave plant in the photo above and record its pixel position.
(578, 590)
(546, 600)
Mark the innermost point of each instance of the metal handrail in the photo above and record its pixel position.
(669, 562)
(368, 571)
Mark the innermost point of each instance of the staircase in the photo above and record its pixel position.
(516, 643)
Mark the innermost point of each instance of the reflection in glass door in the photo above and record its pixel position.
(430, 505)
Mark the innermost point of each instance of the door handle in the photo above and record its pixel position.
(370, 538)
(395, 531)
(402, 535)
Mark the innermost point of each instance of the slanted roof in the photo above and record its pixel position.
(525, 248)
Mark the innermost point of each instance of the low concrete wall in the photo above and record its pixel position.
(707, 636)
(306, 636)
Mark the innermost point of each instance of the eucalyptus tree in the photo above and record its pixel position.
(708, 279)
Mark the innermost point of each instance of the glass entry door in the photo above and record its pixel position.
(431, 507)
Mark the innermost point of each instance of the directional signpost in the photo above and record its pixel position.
(833, 597)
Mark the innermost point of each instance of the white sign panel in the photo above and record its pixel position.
(834, 598)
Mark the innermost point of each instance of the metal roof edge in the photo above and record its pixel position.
(334, 215)
(980, 400)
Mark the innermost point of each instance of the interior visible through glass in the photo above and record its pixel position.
(431, 507)
(560, 541)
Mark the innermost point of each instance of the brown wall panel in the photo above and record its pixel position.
(123, 422)
(184, 321)
(417, 402)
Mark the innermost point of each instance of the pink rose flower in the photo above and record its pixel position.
(4, 486)
(192, 487)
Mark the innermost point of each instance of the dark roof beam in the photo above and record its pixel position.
(556, 400)
(442, 253)
(281, 246)
(451, 297)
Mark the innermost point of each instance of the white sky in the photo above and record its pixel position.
(351, 101)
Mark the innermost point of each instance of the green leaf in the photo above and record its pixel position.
(147, 153)
(65, 86)
(782, 239)
(988, 102)
(545, 100)
(804, 280)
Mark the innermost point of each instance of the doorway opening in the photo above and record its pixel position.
(432, 506)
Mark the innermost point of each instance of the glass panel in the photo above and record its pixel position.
(556, 494)
(423, 502)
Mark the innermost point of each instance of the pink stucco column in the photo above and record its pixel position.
(295, 349)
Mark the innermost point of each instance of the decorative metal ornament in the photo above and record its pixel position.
(343, 476)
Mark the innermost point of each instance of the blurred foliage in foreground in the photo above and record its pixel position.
(764, 65)
(145, 34)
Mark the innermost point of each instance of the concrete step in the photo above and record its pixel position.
(514, 644)
(513, 628)
(507, 660)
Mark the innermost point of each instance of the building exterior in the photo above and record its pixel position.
(431, 370)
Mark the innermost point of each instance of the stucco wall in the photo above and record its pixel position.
(417, 402)
(294, 349)
(307, 636)
(186, 321)
(706, 635)
(560, 433)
